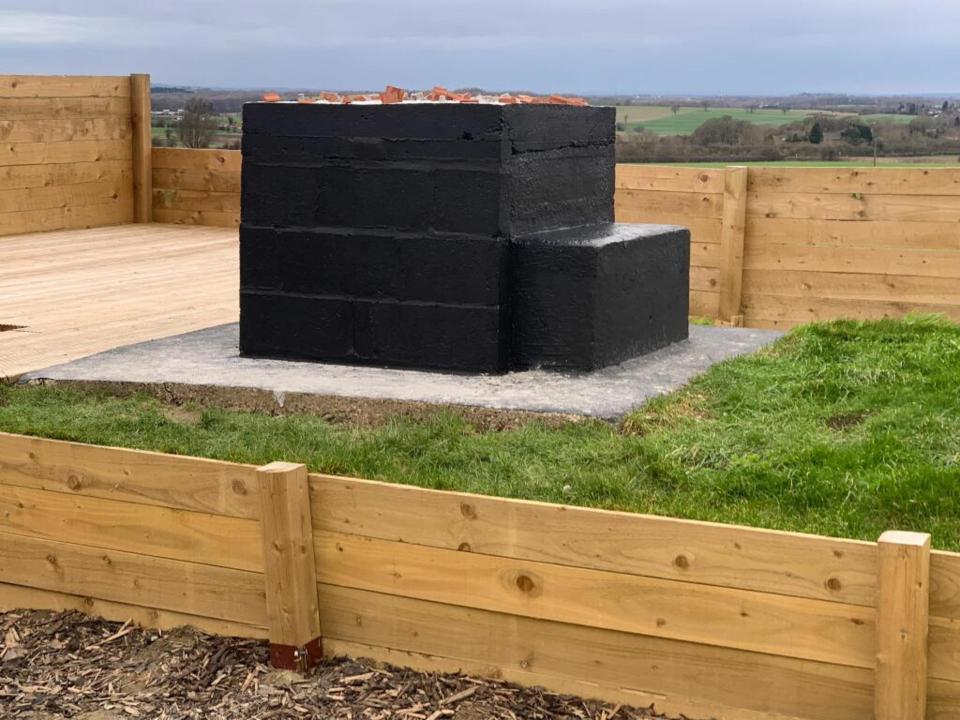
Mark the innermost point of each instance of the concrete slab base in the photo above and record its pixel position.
(210, 358)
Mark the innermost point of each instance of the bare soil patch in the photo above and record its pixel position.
(355, 411)
(55, 666)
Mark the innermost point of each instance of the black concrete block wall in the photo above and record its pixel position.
(590, 297)
(381, 234)
(471, 238)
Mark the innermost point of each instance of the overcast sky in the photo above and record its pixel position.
(583, 46)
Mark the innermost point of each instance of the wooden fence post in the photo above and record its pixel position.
(142, 148)
(731, 243)
(289, 565)
(903, 603)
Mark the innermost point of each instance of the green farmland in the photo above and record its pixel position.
(661, 120)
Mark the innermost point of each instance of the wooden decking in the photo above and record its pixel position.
(78, 292)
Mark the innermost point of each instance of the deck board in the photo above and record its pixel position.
(78, 292)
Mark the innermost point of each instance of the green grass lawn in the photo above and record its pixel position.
(842, 428)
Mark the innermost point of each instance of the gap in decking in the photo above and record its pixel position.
(4, 328)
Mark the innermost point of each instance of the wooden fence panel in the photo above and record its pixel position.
(142, 580)
(792, 564)
(196, 187)
(151, 530)
(678, 676)
(741, 619)
(702, 618)
(66, 151)
(692, 197)
(132, 476)
(819, 243)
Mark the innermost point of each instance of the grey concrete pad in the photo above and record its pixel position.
(210, 358)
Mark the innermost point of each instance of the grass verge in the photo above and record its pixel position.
(842, 428)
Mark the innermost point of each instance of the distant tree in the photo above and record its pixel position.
(674, 109)
(956, 121)
(705, 104)
(198, 124)
(168, 134)
(857, 133)
(946, 106)
(784, 109)
(724, 131)
(816, 134)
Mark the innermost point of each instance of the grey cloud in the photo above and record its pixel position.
(643, 46)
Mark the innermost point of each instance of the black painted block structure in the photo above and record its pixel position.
(460, 237)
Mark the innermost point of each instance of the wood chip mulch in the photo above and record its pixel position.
(69, 665)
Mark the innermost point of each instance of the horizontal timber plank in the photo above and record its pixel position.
(118, 576)
(84, 216)
(20, 177)
(704, 278)
(945, 585)
(196, 217)
(64, 129)
(13, 597)
(64, 107)
(423, 662)
(783, 311)
(62, 86)
(196, 200)
(680, 704)
(943, 700)
(47, 153)
(854, 286)
(704, 254)
(829, 206)
(135, 476)
(705, 303)
(701, 552)
(723, 617)
(197, 159)
(703, 231)
(118, 189)
(190, 179)
(714, 678)
(846, 181)
(665, 178)
(144, 529)
(943, 649)
(671, 204)
(888, 261)
(843, 233)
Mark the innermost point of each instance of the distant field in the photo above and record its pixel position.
(631, 115)
(661, 120)
(221, 139)
(887, 118)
